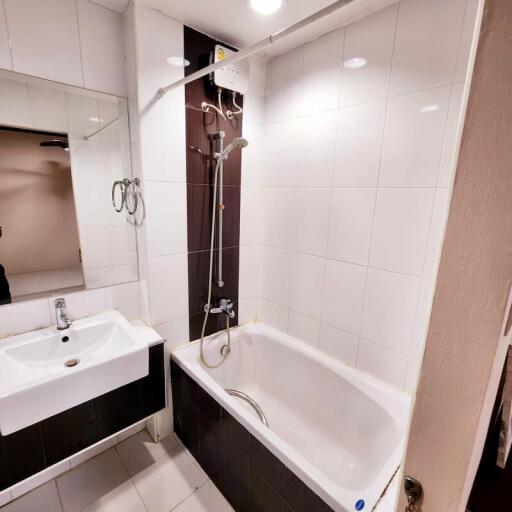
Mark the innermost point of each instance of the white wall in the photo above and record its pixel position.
(354, 191)
(75, 42)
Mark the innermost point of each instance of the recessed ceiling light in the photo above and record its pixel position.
(96, 119)
(178, 61)
(355, 62)
(266, 6)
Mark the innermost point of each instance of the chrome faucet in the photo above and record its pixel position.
(225, 306)
(61, 313)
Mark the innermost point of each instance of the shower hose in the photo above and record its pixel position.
(225, 353)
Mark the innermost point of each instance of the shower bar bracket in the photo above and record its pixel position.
(256, 47)
(246, 398)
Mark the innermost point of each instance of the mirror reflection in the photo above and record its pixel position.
(64, 160)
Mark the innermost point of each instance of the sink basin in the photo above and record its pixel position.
(48, 371)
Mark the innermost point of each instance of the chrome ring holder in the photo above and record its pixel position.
(128, 188)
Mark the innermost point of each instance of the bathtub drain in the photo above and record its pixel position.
(246, 398)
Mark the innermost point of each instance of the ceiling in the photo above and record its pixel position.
(235, 23)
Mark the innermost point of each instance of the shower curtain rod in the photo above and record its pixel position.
(256, 47)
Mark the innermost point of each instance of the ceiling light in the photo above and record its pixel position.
(266, 6)
(178, 61)
(355, 62)
(95, 119)
(429, 108)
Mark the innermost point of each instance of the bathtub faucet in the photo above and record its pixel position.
(225, 306)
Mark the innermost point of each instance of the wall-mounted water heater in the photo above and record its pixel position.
(234, 77)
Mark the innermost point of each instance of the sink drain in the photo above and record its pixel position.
(71, 363)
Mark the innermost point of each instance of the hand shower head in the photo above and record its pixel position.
(239, 142)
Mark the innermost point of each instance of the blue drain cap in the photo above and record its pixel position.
(360, 505)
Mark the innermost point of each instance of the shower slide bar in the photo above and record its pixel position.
(256, 47)
(246, 398)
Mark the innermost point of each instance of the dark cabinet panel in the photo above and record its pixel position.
(32, 449)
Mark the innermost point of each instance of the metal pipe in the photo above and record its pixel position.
(87, 137)
(246, 398)
(220, 147)
(256, 47)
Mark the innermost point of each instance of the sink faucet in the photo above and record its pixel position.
(63, 321)
(225, 306)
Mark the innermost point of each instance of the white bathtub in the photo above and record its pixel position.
(339, 430)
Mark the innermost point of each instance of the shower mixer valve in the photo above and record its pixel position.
(225, 306)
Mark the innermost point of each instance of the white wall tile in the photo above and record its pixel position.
(371, 39)
(359, 144)
(278, 209)
(168, 282)
(160, 37)
(253, 156)
(126, 299)
(14, 104)
(310, 220)
(350, 224)
(421, 319)
(283, 154)
(389, 309)
(304, 328)
(166, 217)
(274, 315)
(306, 284)
(248, 310)
(339, 344)
(285, 83)
(466, 40)
(343, 295)
(321, 81)
(316, 149)
(81, 304)
(175, 332)
(94, 243)
(275, 275)
(5, 54)
(44, 39)
(436, 233)
(412, 375)
(381, 363)
(427, 41)
(400, 233)
(47, 107)
(251, 200)
(249, 264)
(413, 139)
(24, 317)
(101, 40)
(254, 100)
(451, 144)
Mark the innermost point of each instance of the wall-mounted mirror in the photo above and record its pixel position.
(62, 149)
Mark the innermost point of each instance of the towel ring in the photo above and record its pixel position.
(132, 189)
(121, 185)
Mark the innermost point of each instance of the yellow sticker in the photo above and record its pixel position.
(220, 54)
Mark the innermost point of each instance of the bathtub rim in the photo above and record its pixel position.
(336, 496)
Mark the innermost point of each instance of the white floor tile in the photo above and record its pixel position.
(40, 479)
(168, 481)
(42, 499)
(139, 452)
(124, 498)
(206, 499)
(91, 452)
(90, 481)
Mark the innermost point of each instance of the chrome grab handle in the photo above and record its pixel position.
(251, 402)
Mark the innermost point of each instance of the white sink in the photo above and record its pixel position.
(48, 371)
